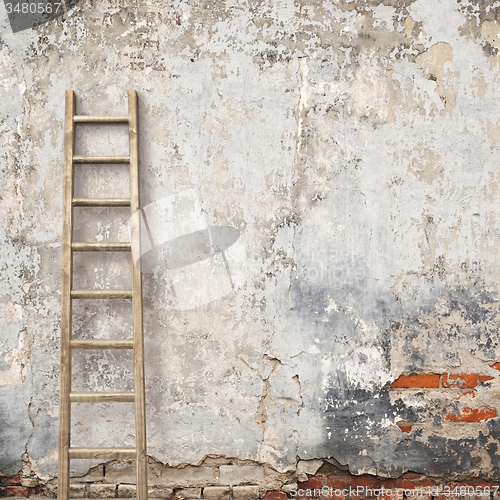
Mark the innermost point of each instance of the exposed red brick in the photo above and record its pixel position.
(339, 481)
(470, 415)
(484, 378)
(13, 480)
(367, 481)
(423, 380)
(471, 489)
(496, 366)
(392, 495)
(312, 483)
(336, 495)
(347, 480)
(17, 491)
(422, 487)
(475, 481)
(404, 428)
(275, 495)
(409, 482)
(459, 380)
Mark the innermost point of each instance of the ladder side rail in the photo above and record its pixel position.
(66, 319)
(139, 384)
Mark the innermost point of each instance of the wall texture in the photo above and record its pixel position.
(345, 156)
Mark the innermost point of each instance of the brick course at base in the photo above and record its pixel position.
(17, 491)
(409, 486)
(338, 486)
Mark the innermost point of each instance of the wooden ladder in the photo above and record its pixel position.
(67, 396)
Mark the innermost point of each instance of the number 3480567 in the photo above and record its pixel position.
(33, 8)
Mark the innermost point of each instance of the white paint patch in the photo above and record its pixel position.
(383, 17)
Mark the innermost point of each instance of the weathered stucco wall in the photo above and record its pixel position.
(352, 146)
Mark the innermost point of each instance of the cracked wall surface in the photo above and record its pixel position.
(350, 148)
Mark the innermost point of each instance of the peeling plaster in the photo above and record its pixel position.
(353, 146)
(18, 361)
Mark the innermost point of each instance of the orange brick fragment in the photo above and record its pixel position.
(423, 380)
(393, 495)
(470, 415)
(404, 428)
(484, 378)
(459, 380)
(463, 394)
(312, 483)
(409, 481)
(13, 480)
(17, 491)
(275, 495)
(340, 481)
(496, 366)
(477, 481)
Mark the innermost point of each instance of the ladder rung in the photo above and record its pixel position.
(100, 119)
(102, 344)
(101, 453)
(101, 202)
(101, 247)
(101, 159)
(101, 294)
(101, 397)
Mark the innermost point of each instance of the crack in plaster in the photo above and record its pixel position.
(296, 379)
(303, 98)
